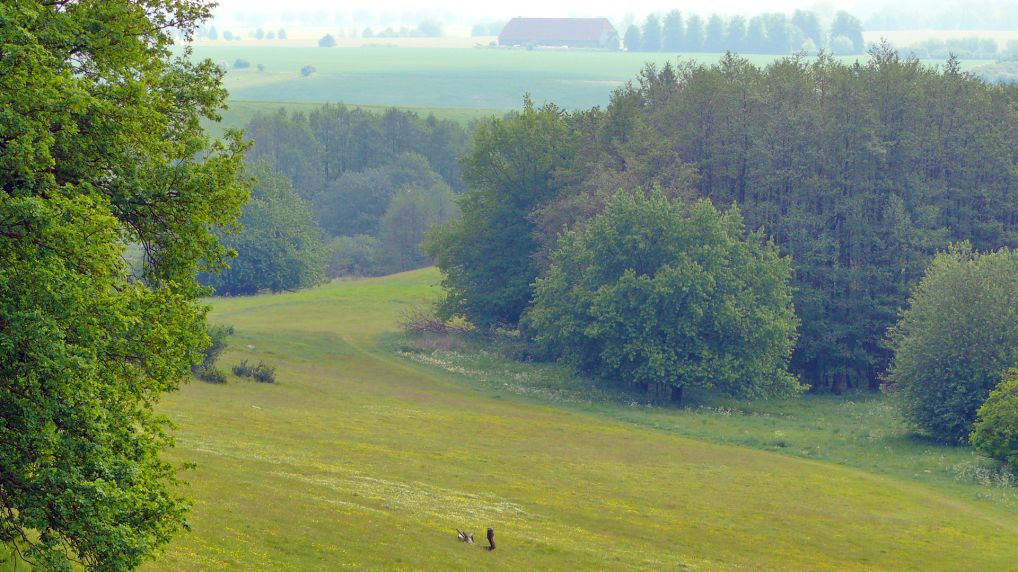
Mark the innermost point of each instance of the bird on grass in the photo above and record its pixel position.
(468, 537)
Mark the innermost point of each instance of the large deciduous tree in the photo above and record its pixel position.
(669, 296)
(100, 146)
(280, 245)
(956, 339)
(487, 255)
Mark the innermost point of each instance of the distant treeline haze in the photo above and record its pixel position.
(375, 182)
(772, 33)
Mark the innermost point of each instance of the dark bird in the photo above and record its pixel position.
(491, 539)
(465, 536)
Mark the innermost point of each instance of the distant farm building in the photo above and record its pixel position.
(569, 32)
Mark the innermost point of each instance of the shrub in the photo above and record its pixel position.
(241, 64)
(210, 374)
(308, 70)
(669, 296)
(262, 373)
(360, 255)
(421, 320)
(955, 340)
(242, 369)
(207, 370)
(327, 41)
(995, 433)
(279, 247)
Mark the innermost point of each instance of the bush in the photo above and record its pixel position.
(207, 370)
(241, 64)
(262, 373)
(327, 41)
(209, 374)
(308, 70)
(422, 320)
(242, 369)
(668, 299)
(360, 255)
(995, 433)
(956, 339)
(279, 247)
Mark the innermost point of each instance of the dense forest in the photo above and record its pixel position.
(374, 182)
(858, 172)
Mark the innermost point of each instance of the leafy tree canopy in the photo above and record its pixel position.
(956, 339)
(279, 247)
(100, 146)
(996, 430)
(655, 294)
(488, 254)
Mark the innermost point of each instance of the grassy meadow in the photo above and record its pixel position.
(371, 449)
(438, 78)
(238, 113)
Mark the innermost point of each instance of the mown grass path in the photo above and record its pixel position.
(359, 459)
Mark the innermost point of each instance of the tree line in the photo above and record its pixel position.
(341, 191)
(859, 172)
(771, 33)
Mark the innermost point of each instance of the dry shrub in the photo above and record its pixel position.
(422, 320)
(442, 342)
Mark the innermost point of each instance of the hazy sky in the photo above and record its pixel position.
(472, 8)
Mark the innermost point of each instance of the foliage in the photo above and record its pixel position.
(654, 295)
(849, 27)
(422, 320)
(327, 41)
(359, 255)
(101, 146)
(858, 172)
(307, 70)
(206, 369)
(632, 39)
(317, 149)
(406, 221)
(995, 433)
(241, 64)
(487, 255)
(356, 202)
(769, 33)
(279, 247)
(261, 373)
(955, 340)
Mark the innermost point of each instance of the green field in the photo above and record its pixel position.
(443, 78)
(365, 455)
(240, 112)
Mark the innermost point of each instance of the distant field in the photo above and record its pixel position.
(359, 458)
(240, 112)
(436, 78)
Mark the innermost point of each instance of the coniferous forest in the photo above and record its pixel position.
(858, 172)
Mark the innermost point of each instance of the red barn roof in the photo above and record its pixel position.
(557, 31)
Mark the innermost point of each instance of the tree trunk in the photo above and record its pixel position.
(676, 394)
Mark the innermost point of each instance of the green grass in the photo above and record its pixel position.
(860, 430)
(438, 78)
(360, 457)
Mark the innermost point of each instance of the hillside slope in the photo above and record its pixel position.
(358, 459)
